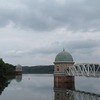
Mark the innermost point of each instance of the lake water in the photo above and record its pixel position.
(41, 87)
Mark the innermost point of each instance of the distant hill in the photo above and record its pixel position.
(46, 69)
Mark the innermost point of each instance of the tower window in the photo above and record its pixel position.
(57, 68)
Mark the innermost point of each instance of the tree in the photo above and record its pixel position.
(6, 69)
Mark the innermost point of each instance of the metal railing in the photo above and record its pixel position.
(84, 69)
(81, 95)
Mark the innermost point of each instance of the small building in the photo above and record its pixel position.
(18, 69)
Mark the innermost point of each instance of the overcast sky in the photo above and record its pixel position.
(32, 32)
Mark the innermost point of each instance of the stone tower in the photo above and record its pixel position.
(63, 60)
(18, 69)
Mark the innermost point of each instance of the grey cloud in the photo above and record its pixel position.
(44, 50)
(78, 44)
(84, 46)
(82, 51)
(15, 53)
(44, 15)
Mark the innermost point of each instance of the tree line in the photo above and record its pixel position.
(6, 69)
(42, 69)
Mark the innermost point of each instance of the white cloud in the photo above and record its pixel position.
(32, 32)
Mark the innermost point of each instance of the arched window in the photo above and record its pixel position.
(57, 68)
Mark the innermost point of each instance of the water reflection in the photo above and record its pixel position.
(3, 83)
(6, 80)
(41, 87)
(19, 77)
(64, 89)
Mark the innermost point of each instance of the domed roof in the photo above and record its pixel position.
(18, 66)
(63, 57)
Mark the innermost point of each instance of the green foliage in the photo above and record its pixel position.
(4, 81)
(6, 69)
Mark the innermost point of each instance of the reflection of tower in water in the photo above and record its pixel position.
(61, 84)
(19, 77)
(64, 82)
(18, 73)
(63, 60)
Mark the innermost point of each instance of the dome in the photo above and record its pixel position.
(63, 57)
(18, 68)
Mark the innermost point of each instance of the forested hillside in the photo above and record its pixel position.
(6, 69)
(39, 69)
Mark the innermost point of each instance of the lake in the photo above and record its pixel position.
(41, 87)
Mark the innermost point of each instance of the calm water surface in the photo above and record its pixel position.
(41, 87)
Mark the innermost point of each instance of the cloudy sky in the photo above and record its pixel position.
(32, 32)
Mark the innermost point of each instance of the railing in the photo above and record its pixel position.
(81, 95)
(84, 69)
